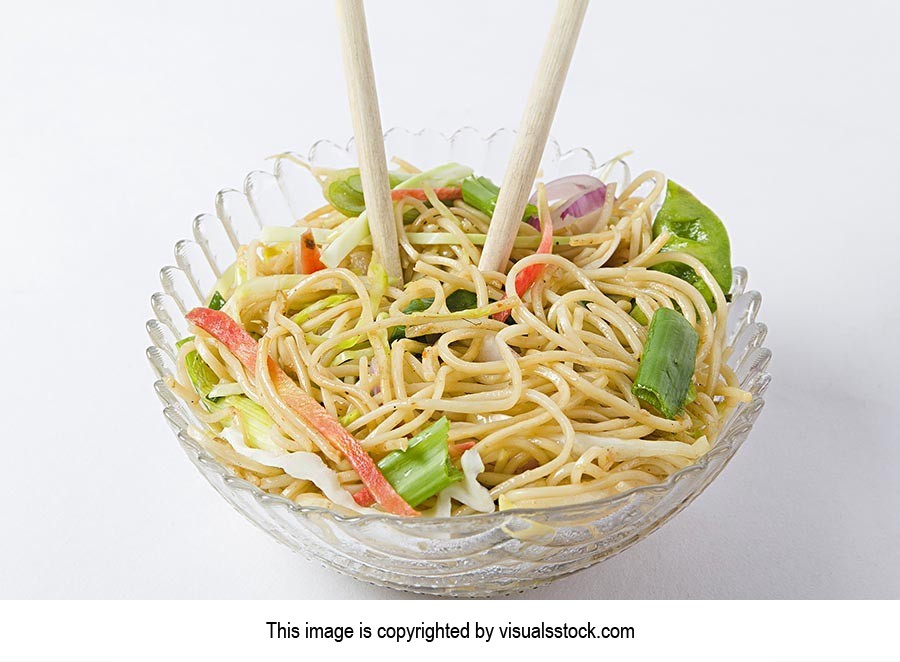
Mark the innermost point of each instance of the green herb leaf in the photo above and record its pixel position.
(461, 300)
(456, 301)
(216, 301)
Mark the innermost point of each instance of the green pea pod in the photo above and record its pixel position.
(698, 232)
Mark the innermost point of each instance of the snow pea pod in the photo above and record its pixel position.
(698, 232)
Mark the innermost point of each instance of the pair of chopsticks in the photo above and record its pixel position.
(524, 160)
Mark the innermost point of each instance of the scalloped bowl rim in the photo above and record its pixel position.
(663, 486)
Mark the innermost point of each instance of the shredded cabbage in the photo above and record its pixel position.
(628, 449)
(448, 174)
(262, 287)
(378, 283)
(469, 491)
(441, 508)
(321, 304)
(301, 465)
(350, 235)
(276, 234)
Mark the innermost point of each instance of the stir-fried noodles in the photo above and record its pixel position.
(556, 382)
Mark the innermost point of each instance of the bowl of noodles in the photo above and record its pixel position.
(458, 432)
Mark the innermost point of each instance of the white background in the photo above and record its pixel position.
(696, 631)
(119, 124)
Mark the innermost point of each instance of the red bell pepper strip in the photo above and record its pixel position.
(365, 499)
(442, 193)
(525, 278)
(224, 329)
(310, 257)
(458, 449)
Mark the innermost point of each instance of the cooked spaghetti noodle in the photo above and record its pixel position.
(541, 406)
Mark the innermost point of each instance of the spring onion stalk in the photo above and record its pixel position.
(231, 278)
(343, 189)
(378, 283)
(667, 366)
(202, 376)
(352, 355)
(349, 417)
(344, 198)
(253, 419)
(638, 315)
(482, 193)
(424, 468)
(263, 287)
(348, 343)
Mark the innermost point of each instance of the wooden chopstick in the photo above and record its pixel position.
(532, 135)
(367, 131)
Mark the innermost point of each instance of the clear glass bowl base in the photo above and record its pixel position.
(473, 556)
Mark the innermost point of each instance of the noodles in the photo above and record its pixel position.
(545, 399)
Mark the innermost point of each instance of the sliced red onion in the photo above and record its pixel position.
(583, 193)
(586, 203)
(567, 187)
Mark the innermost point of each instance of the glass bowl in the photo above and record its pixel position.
(479, 555)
